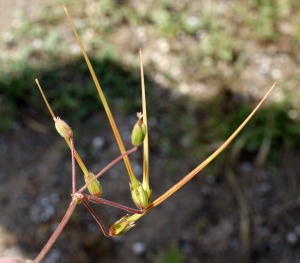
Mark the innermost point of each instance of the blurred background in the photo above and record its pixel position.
(207, 64)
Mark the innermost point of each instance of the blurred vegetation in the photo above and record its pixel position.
(44, 48)
(172, 255)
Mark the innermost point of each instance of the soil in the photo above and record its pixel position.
(240, 212)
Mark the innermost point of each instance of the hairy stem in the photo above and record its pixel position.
(73, 167)
(96, 218)
(78, 159)
(57, 231)
(99, 200)
(106, 168)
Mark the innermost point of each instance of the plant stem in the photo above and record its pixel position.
(106, 107)
(146, 141)
(57, 231)
(107, 167)
(45, 99)
(99, 200)
(188, 177)
(78, 159)
(96, 218)
(73, 167)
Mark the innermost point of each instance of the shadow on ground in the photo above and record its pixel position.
(243, 207)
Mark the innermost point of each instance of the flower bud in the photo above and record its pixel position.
(139, 131)
(121, 227)
(63, 129)
(139, 196)
(95, 187)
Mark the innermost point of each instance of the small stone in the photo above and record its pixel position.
(98, 142)
(292, 238)
(37, 43)
(53, 256)
(16, 23)
(7, 37)
(137, 168)
(138, 248)
(192, 21)
(246, 167)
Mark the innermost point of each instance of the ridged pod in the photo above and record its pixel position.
(95, 187)
(139, 131)
(63, 128)
(121, 227)
(139, 196)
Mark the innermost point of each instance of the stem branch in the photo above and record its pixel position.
(57, 231)
(99, 200)
(107, 167)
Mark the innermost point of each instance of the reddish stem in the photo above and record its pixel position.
(99, 200)
(57, 231)
(107, 167)
(96, 218)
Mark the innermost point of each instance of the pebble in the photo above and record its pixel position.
(138, 248)
(53, 256)
(246, 167)
(98, 142)
(137, 168)
(291, 238)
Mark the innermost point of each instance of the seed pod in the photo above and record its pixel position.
(95, 187)
(139, 196)
(63, 128)
(148, 192)
(121, 227)
(139, 131)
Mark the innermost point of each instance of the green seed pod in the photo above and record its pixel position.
(139, 196)
(95, 187)
(121, 227)
(139, 131)
(63, 129)
(148, 192)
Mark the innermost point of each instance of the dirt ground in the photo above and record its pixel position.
(242, 209)
(240, 212)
